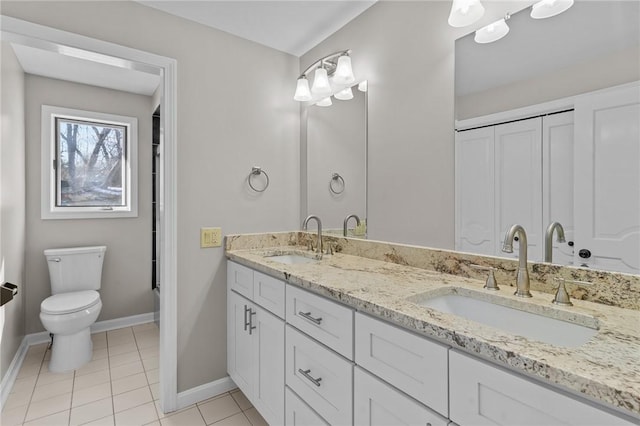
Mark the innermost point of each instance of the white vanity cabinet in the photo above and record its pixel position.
(255, 339)
(482, 394)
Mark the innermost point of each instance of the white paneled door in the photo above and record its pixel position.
(607, 180)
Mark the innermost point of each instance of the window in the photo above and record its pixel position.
(89, 164)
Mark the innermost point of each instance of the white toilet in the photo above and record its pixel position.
(75, 275)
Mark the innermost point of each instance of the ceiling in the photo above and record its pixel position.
(289, 26)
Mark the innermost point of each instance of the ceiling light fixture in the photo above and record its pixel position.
(331, 75)
(548, 8)
(493, 32)
(465, 12)
(344, 94)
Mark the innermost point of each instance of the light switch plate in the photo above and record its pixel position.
(210, 237)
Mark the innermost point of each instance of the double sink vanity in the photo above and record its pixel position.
(381, 334)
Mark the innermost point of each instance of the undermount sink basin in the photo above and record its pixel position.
(543, 328)
(291, 259)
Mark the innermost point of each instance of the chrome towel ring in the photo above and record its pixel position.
(257, 171)
(336, 184)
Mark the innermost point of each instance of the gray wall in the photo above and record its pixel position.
(406, 51)
(126, 273)
(12, 203)
(228, 121)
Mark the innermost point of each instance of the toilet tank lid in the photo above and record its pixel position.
(73, 301)
(74, 250)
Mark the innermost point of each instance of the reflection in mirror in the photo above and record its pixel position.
(337, 162)
(526, 152)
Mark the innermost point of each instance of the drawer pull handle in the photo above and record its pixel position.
(307, 315)
(312, 379)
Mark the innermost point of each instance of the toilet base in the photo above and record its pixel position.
(71, 351)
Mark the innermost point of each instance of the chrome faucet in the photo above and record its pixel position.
(548, 236)
(304, 228)
(522, 279)
(346, 219)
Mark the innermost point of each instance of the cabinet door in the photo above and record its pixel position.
(474, 190)
(607, 179)
(557, 180)
(268, 351)
(481, 394)
(413, 364)
(240, 364)
(518, 183)
(378, 404)
(299, 413)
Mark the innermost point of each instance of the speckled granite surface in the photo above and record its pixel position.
(387, 280)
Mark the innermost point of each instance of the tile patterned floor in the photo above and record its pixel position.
(118, 387)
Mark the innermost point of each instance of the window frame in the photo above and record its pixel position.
(50, 185)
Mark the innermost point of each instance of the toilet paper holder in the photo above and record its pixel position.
(7, 291)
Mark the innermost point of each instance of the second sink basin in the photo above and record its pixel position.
(291, 259)
(543, 328)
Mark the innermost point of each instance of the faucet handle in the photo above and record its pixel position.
(562, 297)
(491, 283)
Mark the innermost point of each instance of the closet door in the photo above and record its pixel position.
(557, 181)
(607, 180)
(474, 191)
(518, 183)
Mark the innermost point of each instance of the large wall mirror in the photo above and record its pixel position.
(547, 122)
(336, 163)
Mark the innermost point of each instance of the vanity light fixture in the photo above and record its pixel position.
(493, 32)
(325, 102)
(344, 94)
(363, 86)
(465, 12)
(548, 8)
(330, 75)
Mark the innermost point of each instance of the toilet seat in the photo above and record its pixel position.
(73, 301)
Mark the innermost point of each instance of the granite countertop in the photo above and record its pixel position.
(605, 369)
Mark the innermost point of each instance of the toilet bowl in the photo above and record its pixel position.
(74, 306)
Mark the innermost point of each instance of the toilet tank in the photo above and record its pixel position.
(75, 268)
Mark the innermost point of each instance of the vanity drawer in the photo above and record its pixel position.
(324, 320)
(322, 378)
(298, 413)
(411, 363)
(268, 292)
(240, 279)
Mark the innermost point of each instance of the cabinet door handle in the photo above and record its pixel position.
(247, 322)
(312, 379)
(307, 315)
(251, 314)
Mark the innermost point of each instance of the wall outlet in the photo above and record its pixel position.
(210, 237)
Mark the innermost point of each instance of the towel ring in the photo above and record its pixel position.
(257, 171)
(340, 181)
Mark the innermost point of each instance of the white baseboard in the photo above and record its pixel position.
(206, 391)
(43, 337)
(12, 372)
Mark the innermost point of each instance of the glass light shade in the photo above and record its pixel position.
(548, 8)
(321, 86)
(363, 86)
(344, 72)
(325, 102)
(344, 94)
(302, 90)
(465, 12)
(492, 32)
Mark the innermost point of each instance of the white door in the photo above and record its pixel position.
(240, 364)
(268, 351)
(518, 183)
(557, 181)
(474, 191)
(607, 180)
(378, 404)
